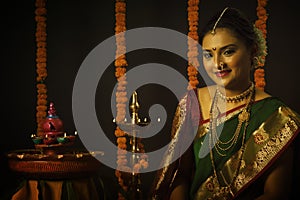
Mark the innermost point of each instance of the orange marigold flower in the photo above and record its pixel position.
(120, 7)
(40, 18)
(41, 44)
(42, 96)
(193, 15)
(41, 65)
(40, 11)
(192, 8)
(119, 133)
(121, 105)
(121, 63)
(121, 140)
(193, 23)
(192, 78)
(122, 152)
(193, 2)
(120, 118)
(41, 70)
(122, 162)
(261, 12)
(262, 3)
(40, 3)
(41, 102)
(136, 167)
(41, 86)
(41, 114)
(120, 71)
(194, 35)
(41, 25)
(42, 91)
(41, 60)
(120, 16)
(41, 108)
(41, 54)
(40, 39)
(41, 50)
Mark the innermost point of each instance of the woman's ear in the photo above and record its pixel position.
(253, 56)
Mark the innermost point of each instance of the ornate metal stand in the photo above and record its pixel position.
(133, 128)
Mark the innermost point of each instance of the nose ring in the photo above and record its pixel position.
(221, 66)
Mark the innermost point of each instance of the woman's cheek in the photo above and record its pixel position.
(208, 68)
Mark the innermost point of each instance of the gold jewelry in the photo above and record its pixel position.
(215, 25)
(243, 117)
(237, 98)
(255, 62)
(221, 64)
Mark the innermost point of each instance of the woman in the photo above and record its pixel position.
(243, 148)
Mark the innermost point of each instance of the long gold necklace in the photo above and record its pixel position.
(223, 146)
(244, 116)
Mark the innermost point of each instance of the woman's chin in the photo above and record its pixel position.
(221, 82)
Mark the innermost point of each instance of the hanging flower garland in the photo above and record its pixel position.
(261, 24)
(193, 38)
(41, 63)
(121, 101)
(121, 94)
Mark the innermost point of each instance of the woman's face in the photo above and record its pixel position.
(224, 49)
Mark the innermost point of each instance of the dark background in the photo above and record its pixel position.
(74, 28)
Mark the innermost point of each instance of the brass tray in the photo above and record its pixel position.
(37, 164)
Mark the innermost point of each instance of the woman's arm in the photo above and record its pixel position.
(279, 182)
(181, 184)
(180, 192)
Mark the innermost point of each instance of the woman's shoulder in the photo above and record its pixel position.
(260, 95)
(267, 103)
(265, 98)
(207, 92)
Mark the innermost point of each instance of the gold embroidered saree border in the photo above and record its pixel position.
(176, 126)
(261, 149)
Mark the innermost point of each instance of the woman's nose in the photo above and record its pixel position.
(219, 64)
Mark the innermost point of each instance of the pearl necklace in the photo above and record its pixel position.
(223, 146)
(243, 117)
(237, 98)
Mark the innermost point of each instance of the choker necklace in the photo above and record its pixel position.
(237, 98)
(243, 117)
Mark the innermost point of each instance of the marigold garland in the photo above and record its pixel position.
(41, 63)
(193, 38)
(121, 94)
(261, 24)
(121, 100)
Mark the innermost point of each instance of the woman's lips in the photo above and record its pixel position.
(222, 73)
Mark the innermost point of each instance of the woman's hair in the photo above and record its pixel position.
(236, 21)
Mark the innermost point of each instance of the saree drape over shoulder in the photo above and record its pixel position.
(272, 128)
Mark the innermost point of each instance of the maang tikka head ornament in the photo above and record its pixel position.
(213, 31)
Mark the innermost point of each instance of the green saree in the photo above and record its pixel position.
(272, 128)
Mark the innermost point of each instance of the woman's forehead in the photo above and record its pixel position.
(220, 38)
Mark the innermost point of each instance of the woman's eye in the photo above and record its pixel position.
(229, 52)
(207, 55)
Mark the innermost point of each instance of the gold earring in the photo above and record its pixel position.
(255, 62)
